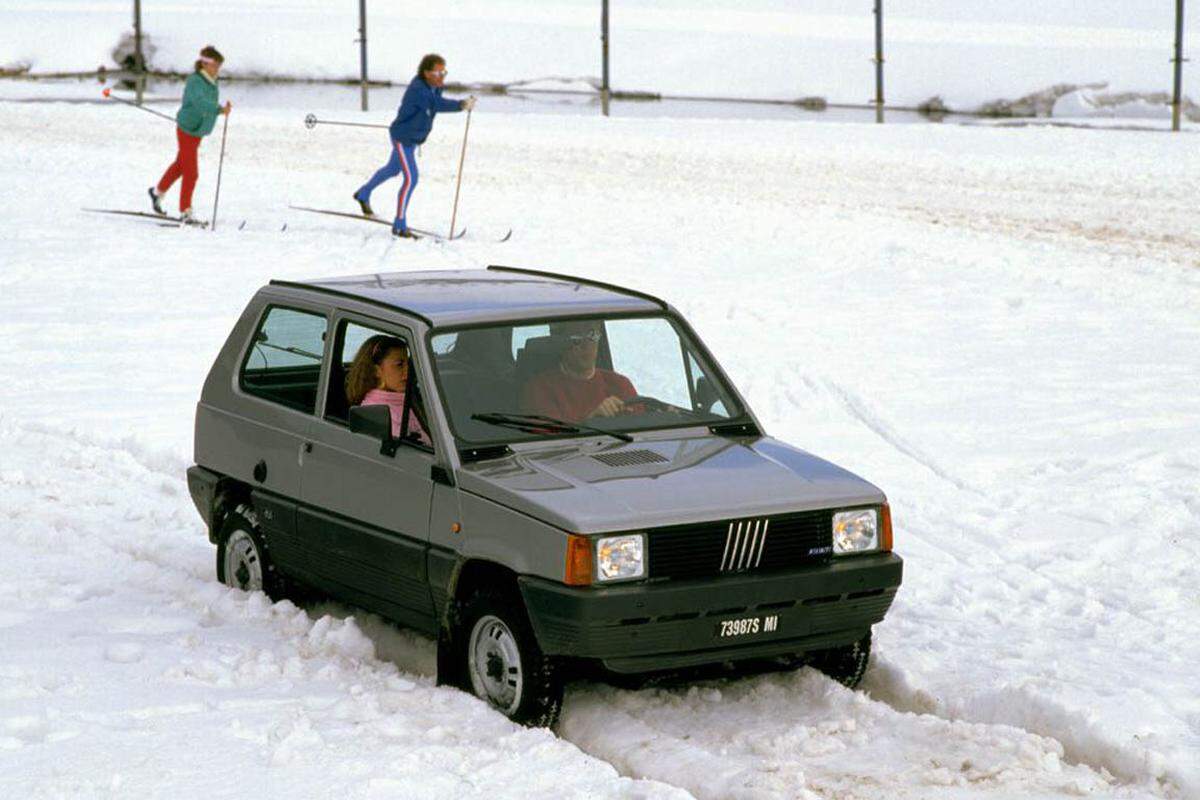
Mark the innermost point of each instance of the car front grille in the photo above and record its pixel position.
(749, 544)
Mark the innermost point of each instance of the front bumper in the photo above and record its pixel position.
(644, 627)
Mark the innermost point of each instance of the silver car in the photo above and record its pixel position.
(548, 474)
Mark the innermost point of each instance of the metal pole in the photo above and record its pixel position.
(879, 60)
(139, 65)
(220, 168)
(604, 87)
(362, 48)
(458, 185)
(1177, 100)
(311, 121)
(107, 92)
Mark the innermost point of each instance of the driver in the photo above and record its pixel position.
(576, 389)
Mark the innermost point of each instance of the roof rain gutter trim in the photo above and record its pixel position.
(585, 281)
(351, 296)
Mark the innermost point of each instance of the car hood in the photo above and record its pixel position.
(598, 486)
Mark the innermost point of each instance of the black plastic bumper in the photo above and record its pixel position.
(643, 627)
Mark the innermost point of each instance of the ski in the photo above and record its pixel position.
(379, 221)
(165, 220)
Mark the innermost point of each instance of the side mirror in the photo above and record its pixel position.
(706, 394)
(375, 421)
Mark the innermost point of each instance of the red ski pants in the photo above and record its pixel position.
(186, 164)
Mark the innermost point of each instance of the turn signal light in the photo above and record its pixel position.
(885, 543)
(579, 561)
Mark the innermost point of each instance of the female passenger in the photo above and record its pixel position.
(379, 376)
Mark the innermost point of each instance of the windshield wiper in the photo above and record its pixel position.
(538, 423)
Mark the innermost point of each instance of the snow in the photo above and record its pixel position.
(998, 327)
(967, 54)
(1084, 103)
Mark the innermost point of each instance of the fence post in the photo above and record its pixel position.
(604, 87)
(879, 60)
(139, 61)
(362, 49)
(1177, 100)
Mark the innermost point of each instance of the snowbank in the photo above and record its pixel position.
(1084, 103)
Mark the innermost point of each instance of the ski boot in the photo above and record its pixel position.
(404, 234)
(364, 205)
(186, 218)
(156, 201)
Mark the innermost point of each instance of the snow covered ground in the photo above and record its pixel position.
(998, 327)
(968, 53)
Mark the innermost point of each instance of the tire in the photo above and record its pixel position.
(242, 558)
(845, 664)
(502, 664)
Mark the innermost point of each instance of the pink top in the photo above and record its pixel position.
(395, 401)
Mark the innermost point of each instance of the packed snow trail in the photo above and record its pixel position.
(1026, 399)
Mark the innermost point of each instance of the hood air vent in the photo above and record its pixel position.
(630, 458)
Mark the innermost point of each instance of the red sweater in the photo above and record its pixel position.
(556, 394)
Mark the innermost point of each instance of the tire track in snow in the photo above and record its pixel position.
(1075, 730)
(803, 735)
(859, 410)
(1082, 741)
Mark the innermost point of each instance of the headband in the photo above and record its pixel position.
(206, 60)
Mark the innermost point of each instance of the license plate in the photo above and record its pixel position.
(747, 626)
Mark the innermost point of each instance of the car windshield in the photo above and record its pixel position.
(538, 379)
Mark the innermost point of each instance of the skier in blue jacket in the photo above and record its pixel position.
(422, 102)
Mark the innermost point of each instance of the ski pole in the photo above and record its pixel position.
(458, 185)
(311, 122)
(108, 93)
(220, 165)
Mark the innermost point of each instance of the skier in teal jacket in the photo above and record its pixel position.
(196, 119)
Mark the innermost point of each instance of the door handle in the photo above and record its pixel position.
(306, 447)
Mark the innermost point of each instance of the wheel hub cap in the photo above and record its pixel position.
(495, 664)
(243, 568)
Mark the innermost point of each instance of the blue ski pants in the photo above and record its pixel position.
(403, 162)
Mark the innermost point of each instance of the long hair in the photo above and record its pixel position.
(362, 377)
(428, 62)
(209, 52)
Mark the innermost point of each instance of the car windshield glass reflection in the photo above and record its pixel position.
(529, 380)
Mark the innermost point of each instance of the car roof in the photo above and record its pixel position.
(469, 296)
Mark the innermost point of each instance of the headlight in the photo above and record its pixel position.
(620, 557)
(855, 531)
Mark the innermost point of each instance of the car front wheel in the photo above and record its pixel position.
(504, 665)
(845, 664)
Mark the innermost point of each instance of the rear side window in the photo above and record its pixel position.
(284, 361)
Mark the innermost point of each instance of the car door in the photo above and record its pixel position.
(261, 429)
(364, 514)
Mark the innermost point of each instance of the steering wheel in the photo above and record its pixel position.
(653, 402)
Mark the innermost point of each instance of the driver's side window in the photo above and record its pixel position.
(374, 367)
